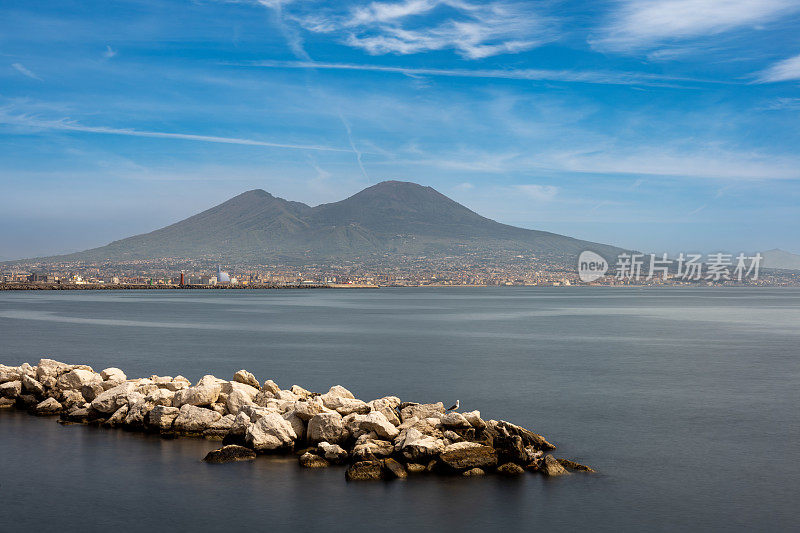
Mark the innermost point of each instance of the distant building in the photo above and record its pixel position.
(223, 278)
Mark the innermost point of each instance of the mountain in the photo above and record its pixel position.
(780, 259)
(392, 217)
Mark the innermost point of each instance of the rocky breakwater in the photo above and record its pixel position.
(385, 438)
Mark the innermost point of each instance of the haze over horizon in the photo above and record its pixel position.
(661, 125)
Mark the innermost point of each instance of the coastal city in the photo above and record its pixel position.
(465, 270)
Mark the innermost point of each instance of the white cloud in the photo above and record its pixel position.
(540, 193)
(781, 104)
(67, 125)
(786, 70)
(474, 31)
(19, 67)
(638, 24)
(572, 76)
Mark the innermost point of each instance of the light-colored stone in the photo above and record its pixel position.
(332, 452)
(326, 427)
(161, 397)
(193, 419)
(306, 409)
(271, 432)
(205, 392)
(474, 419)
(297, 424)
(71, 398)
(161, 417)
(370, 448)
(386, 406)
(31, 385)
(9, 373)
(50, 406)
(422, 411)
(240, 424)
(377, 422)
(300, 392)
(118, 417)
(48, 368)
(455, 420)
(220, 428)
(113, 374)
(177, 383)
(77, 378)
(417, 446)
(11, 389)
(243, 376)
(337, 391)
(286, 395)
(270, 386)
(137, 413)
(468, 455)
(345, 406)
(236, 400)
(92, 391)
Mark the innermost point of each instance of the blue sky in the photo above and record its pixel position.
(663, 125)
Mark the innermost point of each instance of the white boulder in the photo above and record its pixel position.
(193, 419)
(271, 432)
(326, 427)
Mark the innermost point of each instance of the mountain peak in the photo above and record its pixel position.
(390, 217)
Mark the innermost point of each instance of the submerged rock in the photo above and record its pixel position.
(229, 454)
(364, 471)
(572, 465)
(393, 469)
(310, 460)
(551, 467)
(510, 469)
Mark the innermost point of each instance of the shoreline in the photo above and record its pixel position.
(131, 287)
(385, 438)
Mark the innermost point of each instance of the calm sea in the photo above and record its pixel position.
(685, 400)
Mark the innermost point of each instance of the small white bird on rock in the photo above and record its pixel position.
(455, 407)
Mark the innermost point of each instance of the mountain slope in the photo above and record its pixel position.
(391, 217)
(781, 259)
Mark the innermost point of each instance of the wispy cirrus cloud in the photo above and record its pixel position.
(642, 24)
(540, 193)
(786, 70)
(473, 30)
(572, 76)
(69, 125)
(19, 67)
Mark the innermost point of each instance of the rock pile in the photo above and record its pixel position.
(382, 439)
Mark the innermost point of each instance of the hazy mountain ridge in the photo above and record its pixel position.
(391, 217)
(780, 259)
